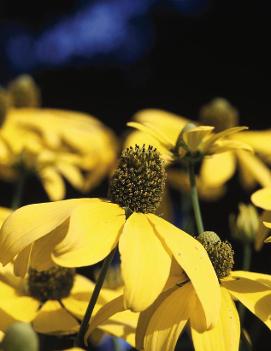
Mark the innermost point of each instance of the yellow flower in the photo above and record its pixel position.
(226, 147)
(56, 144)
(54, 302)
(82, 232)
(160, 326)
(262, 199)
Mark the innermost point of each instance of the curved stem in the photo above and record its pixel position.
(195, 197)
(18, 193)
(79, 341)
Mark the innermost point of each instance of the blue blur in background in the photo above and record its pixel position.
(96, 32)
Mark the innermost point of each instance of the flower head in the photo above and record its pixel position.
(160, 326)
(53, 301)
(82, 232)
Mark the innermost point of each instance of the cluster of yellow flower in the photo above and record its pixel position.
(170, 279)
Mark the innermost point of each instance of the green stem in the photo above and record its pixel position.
(79, 341)
(18, 193)
(247, 252)
(195, 197)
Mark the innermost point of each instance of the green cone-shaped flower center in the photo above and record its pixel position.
(220, 253)
(53, 284)
(139, 181)
(220, 114)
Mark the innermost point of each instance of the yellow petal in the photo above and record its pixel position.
(4, 213)
(146, 315)
(122, 325)
(263, 229)
(253, 295)
(268, 240)
(259, 140)
(22, 261)
(153, 132)
(193, 258)
(52, 318)
(226, 332)
(71, 173)
(107, 311)
(254, 167)
(216, 136)
(21, 308)
(20, 230)
(262, 198)
(53, 183)
(258, 277)
(145, 263)
(169, 123)
(217, 169)
(227, 145)
(94, 231)
(168, 320)
(194, 137)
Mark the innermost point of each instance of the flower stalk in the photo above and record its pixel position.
(195, 197)
(19, 189)
(79, 341)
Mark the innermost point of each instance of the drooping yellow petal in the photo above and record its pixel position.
(145, 263)
(146, 315)
(262, 198)
(20, 308)
(258, 277)
(94, 231)
(4, 213)
(52, 318)
(193, 258)
(53, 183)
(268, 240)
(221, 146)
(168, 122)
(22, 261)
(169, 320)
(107, 311)
(217, 169)
(254, 167)
(216, 136)
(154, 132)
(259, 140)
(30, 223)
(253, 295)
(225, 334)
(194, 137)
(71, 173)
(122, 325)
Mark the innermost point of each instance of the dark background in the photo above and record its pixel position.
(188, 56)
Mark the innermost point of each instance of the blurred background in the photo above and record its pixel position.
(111, 58)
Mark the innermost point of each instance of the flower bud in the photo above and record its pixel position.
(20, 337)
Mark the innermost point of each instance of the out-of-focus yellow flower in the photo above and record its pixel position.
(163, 130)
(53, 303)
(82, 232)
(262, 199)
(160, 326)
(56, 144)
(51, 143)
(245, 224)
